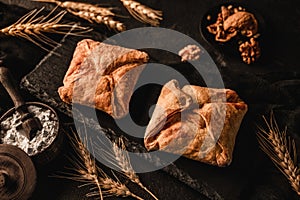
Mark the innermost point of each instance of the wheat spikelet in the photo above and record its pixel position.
(32, 28)
(112, 187)
(275, 144)
(85, 170)
(123, 160)
(91, 13)
(143, 13)
(107, 20)
(119, 159)
(84, 167)
(109, 186)
(78, 6)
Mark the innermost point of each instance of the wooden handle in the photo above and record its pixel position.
(9, 84)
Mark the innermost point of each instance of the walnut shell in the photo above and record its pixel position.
(244, 22)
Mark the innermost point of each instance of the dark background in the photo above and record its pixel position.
(270, 84)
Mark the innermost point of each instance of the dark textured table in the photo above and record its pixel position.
(270, 84)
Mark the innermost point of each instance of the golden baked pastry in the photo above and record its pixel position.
(102, 76)
(196, 122)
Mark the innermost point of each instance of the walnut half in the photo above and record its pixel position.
(250, 51)
(232, 21)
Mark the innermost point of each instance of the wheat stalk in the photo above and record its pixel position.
(276, 145)
(88, 172)
(119, 158)
(113, 187)
(32, 28)
(142, 12)
(85, 167)
(107, 20)
(91, 13)
(123, 160)
(78, 6)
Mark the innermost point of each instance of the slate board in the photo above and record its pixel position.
(269, 84)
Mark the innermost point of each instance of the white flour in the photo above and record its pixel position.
(9, 134)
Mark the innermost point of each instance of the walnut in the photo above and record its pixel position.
(217, 28)
(250, 51)
(243, 22)
(231, 21)
(189, 53)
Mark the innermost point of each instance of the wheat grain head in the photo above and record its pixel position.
(79, 6)
(84, 168)
(117, 155)
(279, 148)
(91, 13)
(32, 28)
(143, 13)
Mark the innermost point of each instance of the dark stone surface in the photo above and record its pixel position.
(270, 84)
